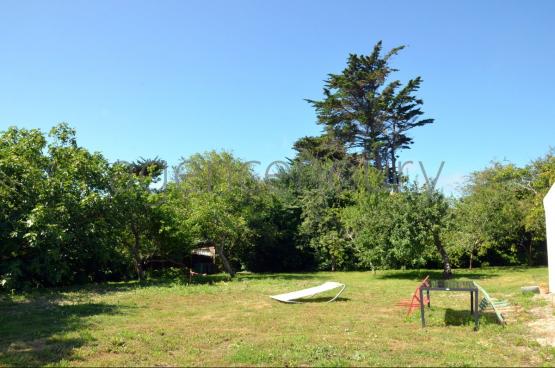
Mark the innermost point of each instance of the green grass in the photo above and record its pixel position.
(235, 323)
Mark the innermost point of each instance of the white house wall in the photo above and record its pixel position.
(549, 204)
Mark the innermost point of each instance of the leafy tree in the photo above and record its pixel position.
(137, 210)
(538, 180)
(58, 228)
(367, 221)
(215, 199)
(320, 189)
(396, 230)
(72, 222)
(322, 227)
(431, 211)
(276, 246)
(490, 216)
(22, 179)
(462, 234)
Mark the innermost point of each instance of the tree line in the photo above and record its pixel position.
(69, 216)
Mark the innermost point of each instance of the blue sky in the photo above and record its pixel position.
(171, 78)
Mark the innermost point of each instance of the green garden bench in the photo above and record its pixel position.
(495, 304)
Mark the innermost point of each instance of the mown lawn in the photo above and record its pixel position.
(235, 323)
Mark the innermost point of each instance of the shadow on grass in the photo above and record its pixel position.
(107, 288)
(489, 318)
(209, 279)
(324, 300)
(124, 286)
(280, 276)
(464, 318)
(40, 331)
(419, 275)
(458, 318)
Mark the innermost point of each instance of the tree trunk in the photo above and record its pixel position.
(225, 261)
(135, 251)
(475, 248)
(392, 148)
(526, 244)
(530, 260)
(378, 159)
(394, 173)
(447, 270)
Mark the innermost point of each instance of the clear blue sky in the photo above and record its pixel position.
(171, 78)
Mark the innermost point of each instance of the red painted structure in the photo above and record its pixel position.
(414, 303)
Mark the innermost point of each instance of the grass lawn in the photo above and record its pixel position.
(235, 323)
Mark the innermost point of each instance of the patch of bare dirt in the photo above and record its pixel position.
(543, 325)
(30, 346)
(511, 314)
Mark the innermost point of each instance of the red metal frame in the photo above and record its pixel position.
(414, 303)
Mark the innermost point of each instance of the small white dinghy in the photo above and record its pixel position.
(307, 293)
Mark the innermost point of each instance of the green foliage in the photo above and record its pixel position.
(215, 198)
(320, 189)
(540, 176)
(57, 224)
(136, 215)
(276, 225)
(394, 229)
(23, 179)
(500, 219)
(69, 216)
(363, 111)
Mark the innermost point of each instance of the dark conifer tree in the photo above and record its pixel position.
(365, 113)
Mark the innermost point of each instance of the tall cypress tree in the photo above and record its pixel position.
(353, 108)
(367, 114)
(404, 112)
